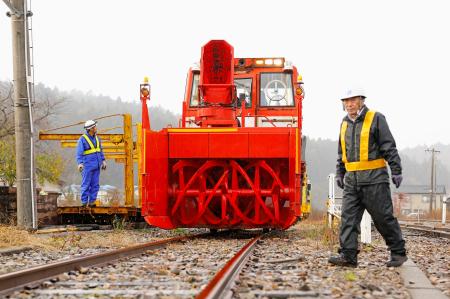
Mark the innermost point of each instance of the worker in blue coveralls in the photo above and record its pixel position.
(90, 159)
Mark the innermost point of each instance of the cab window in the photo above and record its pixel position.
(276, 89)
(194, 91)
(244, 86)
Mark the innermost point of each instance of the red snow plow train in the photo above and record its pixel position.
(235, 161)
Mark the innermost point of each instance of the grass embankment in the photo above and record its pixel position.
(11, 236)
(318, 232)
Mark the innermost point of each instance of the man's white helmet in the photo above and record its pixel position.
(89, 124)
(354, 92)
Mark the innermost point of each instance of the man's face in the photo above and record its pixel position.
(353, 105)
(93, 130)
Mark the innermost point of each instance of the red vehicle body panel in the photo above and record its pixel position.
(227, 166)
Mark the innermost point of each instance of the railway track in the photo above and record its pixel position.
(443, 232)
(243, 265)
(19, 279)
(221, 284)
(66, 278)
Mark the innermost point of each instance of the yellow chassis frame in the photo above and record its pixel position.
(118, 147)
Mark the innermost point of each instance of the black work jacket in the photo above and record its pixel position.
(381, 145)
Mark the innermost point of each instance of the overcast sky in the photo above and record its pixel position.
(399, 51)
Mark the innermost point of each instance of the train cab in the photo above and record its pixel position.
(270, 87)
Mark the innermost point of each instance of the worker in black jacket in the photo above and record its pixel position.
(365, 145)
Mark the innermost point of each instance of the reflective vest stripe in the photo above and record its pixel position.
(344, 151)
(365, 132)
(93, 149)
(363, 163)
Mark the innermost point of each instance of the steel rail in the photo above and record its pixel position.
(429, 230)
(221, 283)
(420, 220)
(432, 227)
(16, 280)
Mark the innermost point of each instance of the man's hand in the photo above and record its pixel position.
(340, 181)
(80, 167)
(104, 165)
(397, 180)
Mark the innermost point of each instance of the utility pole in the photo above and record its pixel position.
(433, 177)
(26, 208)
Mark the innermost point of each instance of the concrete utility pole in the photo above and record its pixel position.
(26, 207)
(433, 177)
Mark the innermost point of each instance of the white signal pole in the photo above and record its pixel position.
(433, 178)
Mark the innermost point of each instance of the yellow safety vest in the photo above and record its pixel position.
(93, 149)
(363, 163)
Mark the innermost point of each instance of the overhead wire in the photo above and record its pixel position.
(80, 123)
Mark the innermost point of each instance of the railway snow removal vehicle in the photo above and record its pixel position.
(235, 161)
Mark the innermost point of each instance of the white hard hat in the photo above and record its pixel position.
(89, 124)
(354, 92)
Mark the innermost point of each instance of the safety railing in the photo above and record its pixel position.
(335, 211)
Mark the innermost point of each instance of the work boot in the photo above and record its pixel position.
(397, 260)
(343, 261)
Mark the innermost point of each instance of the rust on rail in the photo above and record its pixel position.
(220, 284)
(15, 280)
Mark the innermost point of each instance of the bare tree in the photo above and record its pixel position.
(45, 107)
(6, 110)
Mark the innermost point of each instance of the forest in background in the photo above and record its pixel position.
(321, 155)
(55, 108)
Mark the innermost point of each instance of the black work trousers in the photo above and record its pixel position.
(376, 199)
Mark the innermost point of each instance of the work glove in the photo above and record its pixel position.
(80, 167)
(340, 181)
(104, 165)
(397, 179)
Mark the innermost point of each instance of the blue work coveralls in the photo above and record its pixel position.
(91, 171)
